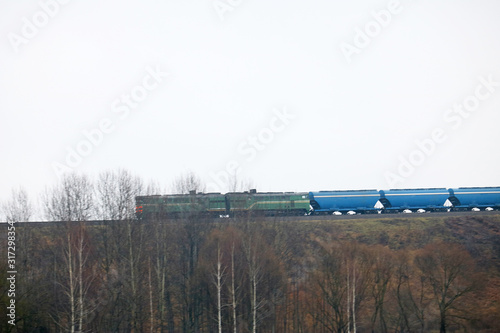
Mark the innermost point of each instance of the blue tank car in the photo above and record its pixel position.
(466, 198)
(428, 199)
(359, 201)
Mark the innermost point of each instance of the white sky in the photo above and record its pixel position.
(352, 121)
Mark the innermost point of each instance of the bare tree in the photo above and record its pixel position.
(233, 290)
(339, 286)
(84, 281)
(253, 248)
(219, 275)
(116, 192)
(18, 208)
(235, 184)
(328, 292)
(122, 243)
(72, 201)
(29, 251)
(76, 280)
(411, 295)
(164, 254)
(134, 245)
(450, 270)
(151, 308)
(351, 295)
(153, 187)
(188, 182)
(382, 269)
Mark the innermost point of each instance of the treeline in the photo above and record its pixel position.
(240, 275)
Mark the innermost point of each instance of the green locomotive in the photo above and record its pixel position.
(270, 204)
(179, 205)
(222, 205)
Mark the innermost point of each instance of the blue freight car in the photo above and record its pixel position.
(465, 198)
(409, 200)
(359, 201)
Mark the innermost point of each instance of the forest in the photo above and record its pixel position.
(245, 274)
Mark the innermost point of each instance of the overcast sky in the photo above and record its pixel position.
(295, 95)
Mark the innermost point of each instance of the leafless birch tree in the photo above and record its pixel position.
(72, 202)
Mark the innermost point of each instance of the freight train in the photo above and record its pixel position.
(322, 202)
